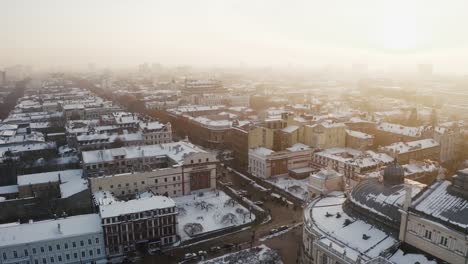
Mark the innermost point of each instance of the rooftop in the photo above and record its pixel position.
(134, 206)
(72, 181)
(177, 151)
(326, 216)
(437, 202)
(403, 147)
(17, 234)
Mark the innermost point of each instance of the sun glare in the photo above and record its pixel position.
(400, 34)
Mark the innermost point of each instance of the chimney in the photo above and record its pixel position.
(408, 196)
(59, 228)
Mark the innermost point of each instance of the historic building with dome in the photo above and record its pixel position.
(389, 220)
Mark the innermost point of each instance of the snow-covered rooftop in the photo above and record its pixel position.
(403, 147)
(134, 206)
(16, 234)
(326, 216)
(358, 134)
(437, 202)
(72, 181)
(174, 150)
(400, 129)
(261, 151)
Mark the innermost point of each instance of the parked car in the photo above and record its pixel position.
(273, 231)
(228, 245)
(190, 256)
(228, 184)
(215, 249)
(259, 203)
(283, 227)
(153, 251)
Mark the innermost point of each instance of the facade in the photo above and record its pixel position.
(388, 133)
(358, 140)
(266, 163)
(156, 133)
(325, 135)
(437, 221)
(200, 87)
(449, 140)
(324, 182)
(172, 169)
(149, 221)
(414, 150)
(74, 239)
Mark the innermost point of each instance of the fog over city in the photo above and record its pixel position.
(233, 132)
(122, 33)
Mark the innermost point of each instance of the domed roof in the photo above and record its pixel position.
(383, 200)
(394, 174)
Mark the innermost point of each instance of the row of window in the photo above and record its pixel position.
(52, 258)
(438, 238)
(68, 257)
(145, 214)
(50, 248)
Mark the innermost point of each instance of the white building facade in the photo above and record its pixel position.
(75, 239)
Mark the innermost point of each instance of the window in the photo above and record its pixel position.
(173, 178)
(98, 251)
(142, 182)
(75, 255)
(67, 256)
(207, 159)
(90, 252)
(112, 186)
(58, 247)
(36, 261)
(4, 256)
(59, 258)
(165, 179)
(44, 261)
(428, 234)
(100, 188)
(199, 160)
(81, 243)
(134, 184)
(42, 249)
(50, 248)
(119, 185)
(52, 259)
(155, 180)
(191, 161)
(97, 240)
(26, 253)
(83, 254)
(74, 244)
(89, 242)
(34, 250)
(443, 241)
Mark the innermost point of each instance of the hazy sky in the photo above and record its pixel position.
(223, 32)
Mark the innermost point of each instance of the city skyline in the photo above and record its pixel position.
(230, 33)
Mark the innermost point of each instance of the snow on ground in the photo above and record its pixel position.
(298, 188)
(257, 255)
(401, 258)
(212, 211)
